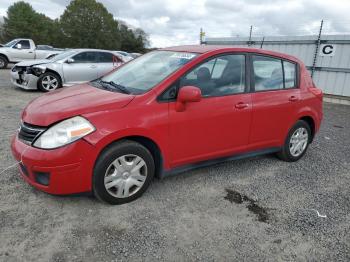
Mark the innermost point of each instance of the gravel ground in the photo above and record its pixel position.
(248, 210)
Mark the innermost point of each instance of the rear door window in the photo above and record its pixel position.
(104, 57)
(268, 73)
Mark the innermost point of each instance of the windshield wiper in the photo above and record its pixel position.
(121, 88)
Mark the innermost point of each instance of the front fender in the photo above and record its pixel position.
(101, 139)
(148, 121)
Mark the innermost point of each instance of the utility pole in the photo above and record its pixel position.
(250, 35)
(318, 42)
(262, 42)
(201, 36)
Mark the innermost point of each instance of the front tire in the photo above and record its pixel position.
(123, 172)
(297, 142)
(3, 62)
(49, 81)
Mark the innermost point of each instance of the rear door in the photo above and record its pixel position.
(219, 124)
(106, 63)
(275, 97)
(84, 68)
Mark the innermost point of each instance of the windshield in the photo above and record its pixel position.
(63, 55)
(11, 43)
(143, 73)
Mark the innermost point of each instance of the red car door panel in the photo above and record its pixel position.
(211, 128)
(273, 113)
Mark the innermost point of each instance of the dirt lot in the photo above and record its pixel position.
(256, 209)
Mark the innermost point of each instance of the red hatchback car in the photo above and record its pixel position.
(165, 112)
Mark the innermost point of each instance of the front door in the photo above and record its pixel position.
(25, 52)
(82, 68)
(106, 63)
(219, 124)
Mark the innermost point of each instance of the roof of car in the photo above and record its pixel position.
(201, 49)
(95, 50)
(91, 49)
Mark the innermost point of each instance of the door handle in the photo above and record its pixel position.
(293, 99)
(241, 105)
(30, 52)
(92, 66)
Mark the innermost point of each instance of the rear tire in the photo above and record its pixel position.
(297, 142)
(123, 172)
(49, 81)
(3, 62)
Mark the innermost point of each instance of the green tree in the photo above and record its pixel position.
(132, 40)
(23, 21)
(84, 24)
(141, 35)
(88, 24)
(1, 30)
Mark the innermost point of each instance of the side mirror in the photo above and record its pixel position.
(186, 95)
(70, 60)
(19, 46)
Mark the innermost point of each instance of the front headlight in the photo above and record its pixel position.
(64, 133)
(38, 69)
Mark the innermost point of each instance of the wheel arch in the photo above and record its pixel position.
(5, 56)
(7, 61)
(53, 72)
(56, 73)
(311, 122)
(148, 143)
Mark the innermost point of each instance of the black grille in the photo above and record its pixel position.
(28, 133)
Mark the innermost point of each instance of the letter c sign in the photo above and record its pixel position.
(327, 50)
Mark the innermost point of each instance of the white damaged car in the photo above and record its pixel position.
(65, 69)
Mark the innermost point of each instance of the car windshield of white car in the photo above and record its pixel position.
(11, 43)
(142, 74)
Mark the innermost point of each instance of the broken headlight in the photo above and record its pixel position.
(38, 70)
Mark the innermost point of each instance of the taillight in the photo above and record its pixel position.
(317, 92)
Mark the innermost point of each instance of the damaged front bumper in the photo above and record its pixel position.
(60, 171)
(22, 79)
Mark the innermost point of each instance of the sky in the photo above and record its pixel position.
(177, 22)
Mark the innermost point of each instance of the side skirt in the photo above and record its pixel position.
(181, 169)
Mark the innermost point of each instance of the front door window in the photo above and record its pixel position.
(220, 76)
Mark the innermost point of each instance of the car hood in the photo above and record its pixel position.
(34, 62)
(71, 101)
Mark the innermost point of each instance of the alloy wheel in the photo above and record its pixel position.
(49, 83)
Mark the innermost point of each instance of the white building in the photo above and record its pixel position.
(327, 58)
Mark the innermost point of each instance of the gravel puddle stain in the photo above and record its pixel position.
(236, 197)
